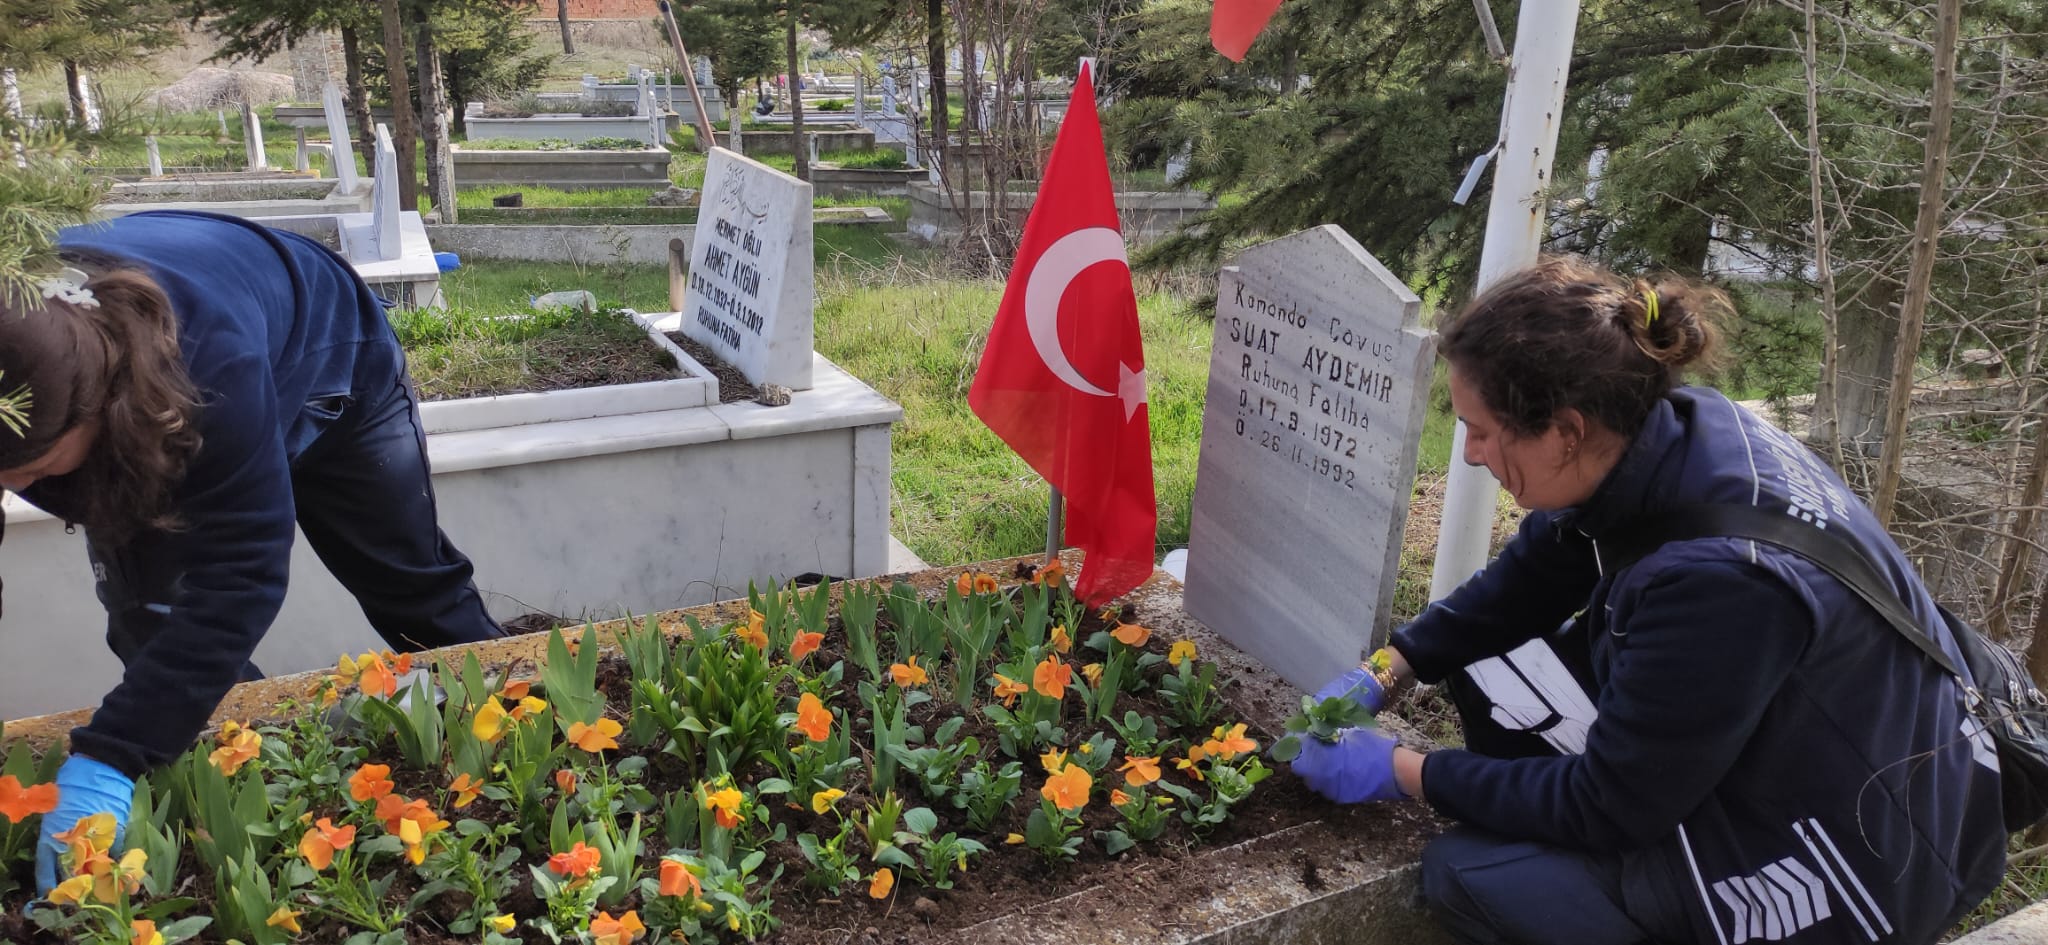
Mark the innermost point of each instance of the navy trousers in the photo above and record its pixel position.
(364, 498)
(1485, 889)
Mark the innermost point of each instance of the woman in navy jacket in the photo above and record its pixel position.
(197, 386)
(1716, 745)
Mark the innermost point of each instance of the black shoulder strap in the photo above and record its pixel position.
(1828, 550)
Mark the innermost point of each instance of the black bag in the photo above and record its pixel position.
(2004, 697)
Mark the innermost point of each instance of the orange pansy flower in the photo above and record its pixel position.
(885, 880)
(1117, 797)
(1008, 689)
(528, 708)
(370, 782)
(321, 842)
(490, 722)
(1139, 772)
(1131, 634)
(985, 583)
(516, 690)
(1093, 673)
(908, 674)
(1050, 575)
(1061, 642)
(143, 932)
(238, 746)
(624, 930)
(466, 790)
(677, 880)
(1228, 743)
(1068, 788)
(603, 736)
(1051, 677)
(804, 645)
(377, 678)
(18, 803)
(582, 860)
(812, 718)
(565, 779)
(756, 630)
(724, 805)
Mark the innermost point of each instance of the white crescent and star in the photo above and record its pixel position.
(1056, 269)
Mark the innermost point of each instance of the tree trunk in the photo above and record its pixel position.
(1825, 433)
(71, 93)
(1920, 273)
(562, 15)
(404, 139)
(358, 95)
(796, 100)
(434, 127)
(2012, 568)
(935, 48)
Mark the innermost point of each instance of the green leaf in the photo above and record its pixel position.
(185, 928)
(920, 821)
(773, 786)
(1287, 749)
(1114, 841)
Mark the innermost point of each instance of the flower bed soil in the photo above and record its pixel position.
(733, 385)
(1161, 876)
(460, 355)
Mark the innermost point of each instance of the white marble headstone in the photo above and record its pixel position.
(340, 149)
(156, 156)
(1319, 382)
(749, 291)
(384, 207)
(252, 139)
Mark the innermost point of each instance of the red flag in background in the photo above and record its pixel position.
(1233, 24)
(1062, 380)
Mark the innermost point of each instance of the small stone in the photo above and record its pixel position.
(773, 395)
(925, 909)
(673, 197)
(509, 200)
(871, 931)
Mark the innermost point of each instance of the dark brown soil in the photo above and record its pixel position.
(733, 386)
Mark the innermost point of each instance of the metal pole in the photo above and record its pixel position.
(1514, 234)
(706, 140)
(1052, 526)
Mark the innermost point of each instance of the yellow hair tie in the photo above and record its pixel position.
(1649, 307)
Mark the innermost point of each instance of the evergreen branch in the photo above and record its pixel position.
(14, 408)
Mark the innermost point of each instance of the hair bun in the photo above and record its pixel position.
(1679, 322)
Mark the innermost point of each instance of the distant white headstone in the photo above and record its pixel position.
(156, 156)
(300, 162)
(890, 105)
(340, 149)
(10, 93)
(81, 89)
(384, 212)
(1319, 381)
(703, 71)
(749, 291)
(252, 139)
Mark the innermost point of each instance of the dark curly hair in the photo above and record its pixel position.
(1566, 333)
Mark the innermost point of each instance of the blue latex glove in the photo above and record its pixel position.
(1358, 768)
(84, 787)
(1358, 685)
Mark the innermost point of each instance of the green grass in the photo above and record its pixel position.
(507, 286)
(469, 352)
(478, 198)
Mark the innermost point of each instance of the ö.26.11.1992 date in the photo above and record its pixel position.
(1283, 432)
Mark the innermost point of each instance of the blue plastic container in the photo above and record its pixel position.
(447, 262)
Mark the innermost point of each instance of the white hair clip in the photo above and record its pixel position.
(68, 285)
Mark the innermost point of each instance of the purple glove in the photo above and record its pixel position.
(1358, 768)
(1359, 686)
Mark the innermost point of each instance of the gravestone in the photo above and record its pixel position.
(1319, 381)
(384, 211)
(748, 292)
(340, 151)
(156, 156)
(252, 140)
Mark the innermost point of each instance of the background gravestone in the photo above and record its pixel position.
(1318, 384)
(384, 212)
(748, 293)
(342, 152)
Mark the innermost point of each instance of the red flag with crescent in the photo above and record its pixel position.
(1234, 24)
(1062, 380)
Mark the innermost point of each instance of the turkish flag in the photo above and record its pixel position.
(1062, 379)
(1233, 24)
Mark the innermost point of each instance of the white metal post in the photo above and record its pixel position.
(1514, 234)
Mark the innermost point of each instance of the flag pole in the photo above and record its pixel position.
(1052, 526)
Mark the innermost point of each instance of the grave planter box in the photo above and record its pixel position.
(1145, 214)
(829, 138)
(691, 386)
(1333, 875)
(839, 181)
(597, 517)
(565, 170)
(674, 98)
(575, 129)
(312, 116)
